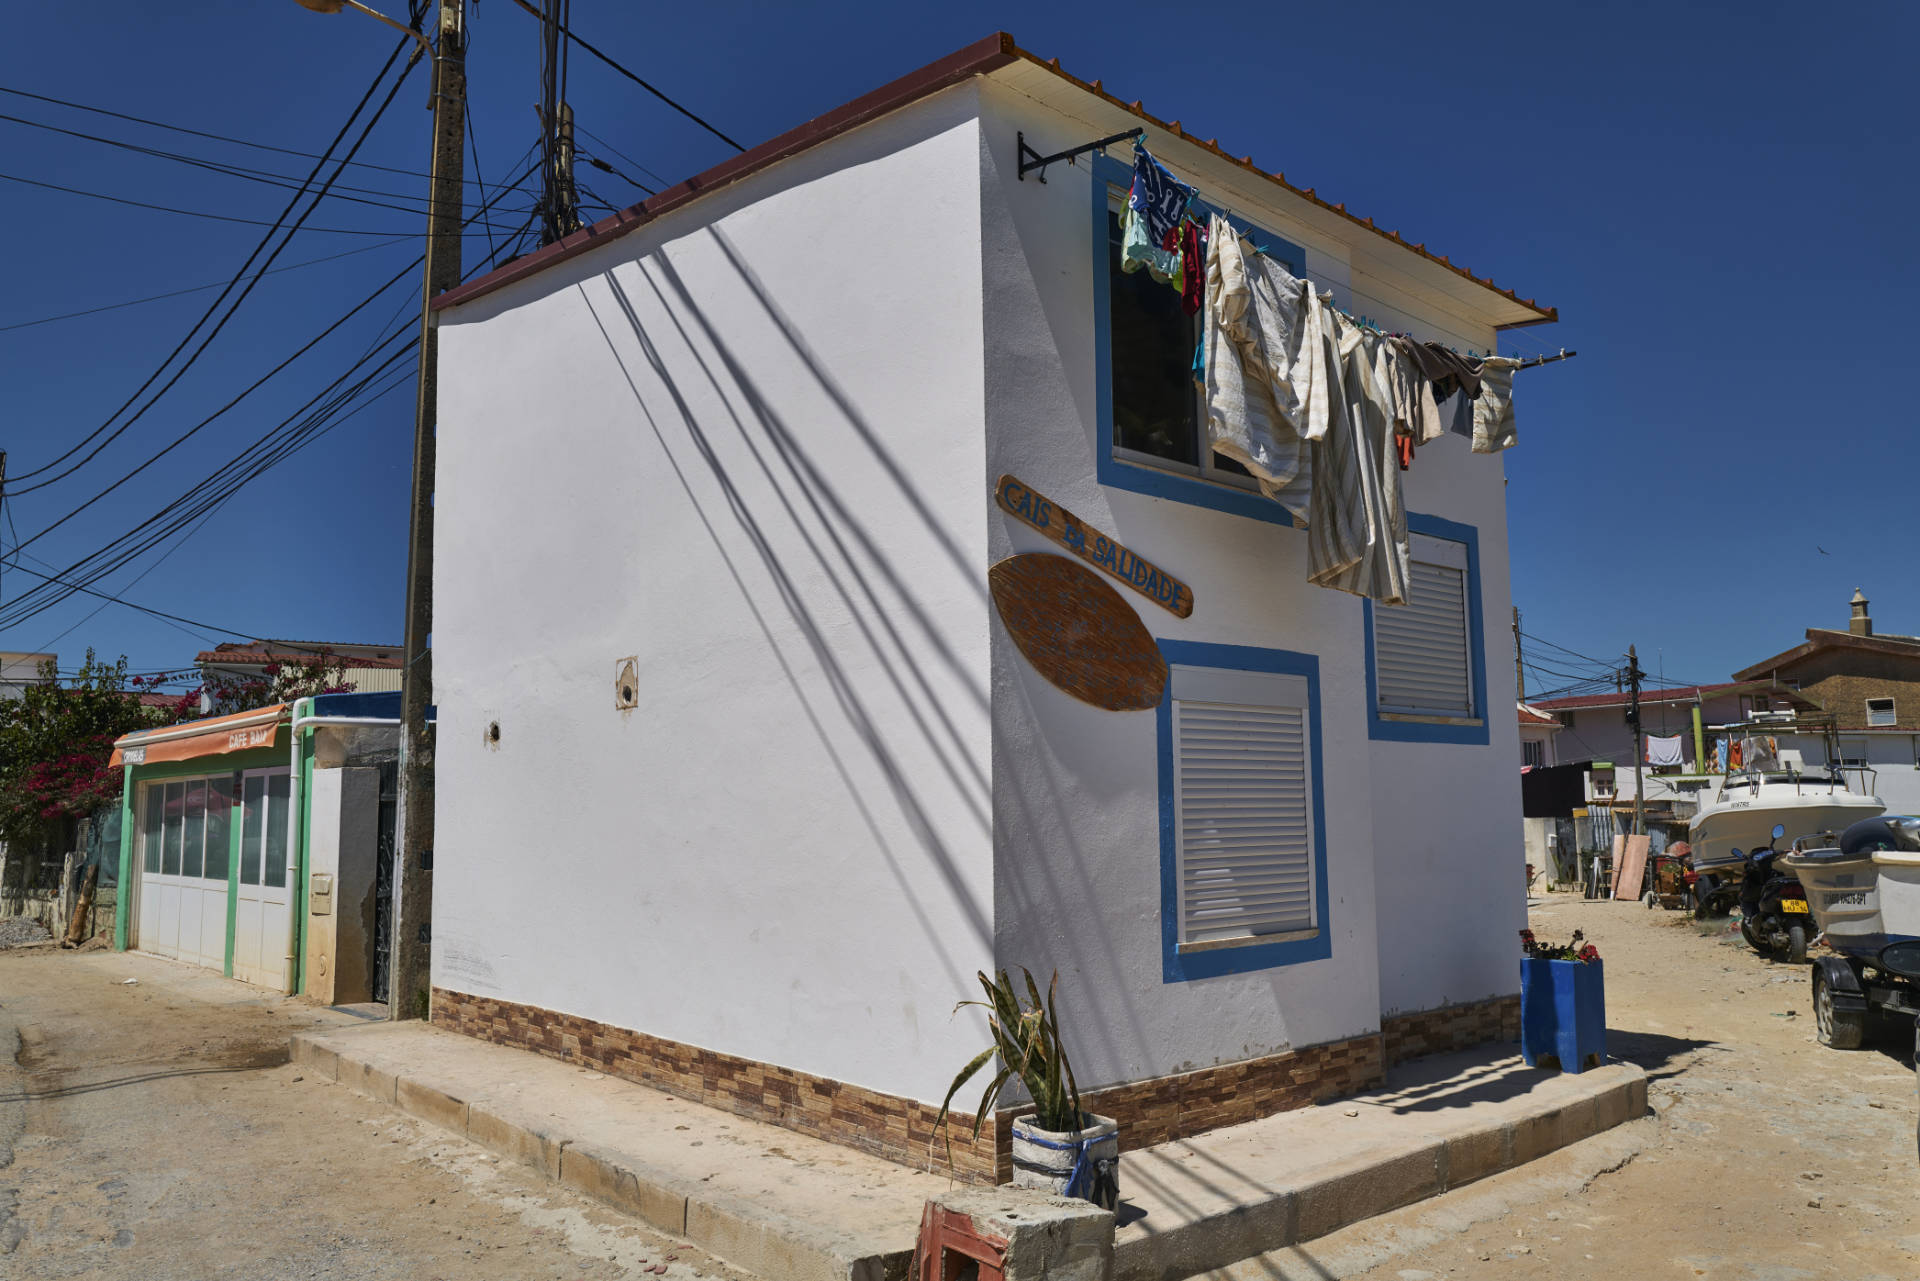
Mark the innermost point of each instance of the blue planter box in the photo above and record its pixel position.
(1563, 1013)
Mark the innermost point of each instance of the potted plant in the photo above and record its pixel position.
(1057, 1147)
(1563, 1003)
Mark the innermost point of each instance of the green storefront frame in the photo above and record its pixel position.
(274, 757)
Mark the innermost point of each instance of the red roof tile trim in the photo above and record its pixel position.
(1677, 694)
(253, 658)
(979, 58)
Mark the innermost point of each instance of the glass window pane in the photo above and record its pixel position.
(194, 831)
(250, 828)
(150, 836)
(170, 843)
(219, 826)
(278, 789)
(1154, 402)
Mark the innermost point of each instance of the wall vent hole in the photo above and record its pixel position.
(493, 732)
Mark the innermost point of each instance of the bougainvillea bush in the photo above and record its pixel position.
(55, 740)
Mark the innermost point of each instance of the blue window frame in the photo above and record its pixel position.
(1165, 480)
(1181, 964)
(1391, 727)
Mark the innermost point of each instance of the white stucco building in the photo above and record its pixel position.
(741, 776)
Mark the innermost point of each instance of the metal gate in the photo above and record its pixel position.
(383, 879)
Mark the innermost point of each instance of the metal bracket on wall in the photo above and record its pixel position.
(1031, 159)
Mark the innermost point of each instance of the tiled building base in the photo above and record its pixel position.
(883, 1124)
(1450, 1028)
(1149, 1112)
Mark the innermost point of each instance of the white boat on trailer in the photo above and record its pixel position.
(1752, 800)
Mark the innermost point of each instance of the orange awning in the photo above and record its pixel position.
(214, 736)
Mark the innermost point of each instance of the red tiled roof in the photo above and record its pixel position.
(980, 58)
(1534, 716)
(1678, 694)
(252, 658)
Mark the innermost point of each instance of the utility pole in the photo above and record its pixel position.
(1519, 667)
(410, 972)
(1634, 677)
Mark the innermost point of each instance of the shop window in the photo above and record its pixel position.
(1243, 854)
(1425, 669)
(1880, 712)
(1152, 411)
(184, 828)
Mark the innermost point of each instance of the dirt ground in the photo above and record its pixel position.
(1769, 1158)
(155, 1131)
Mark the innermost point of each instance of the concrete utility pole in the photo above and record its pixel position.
(1519, 667)
(1634, 677)
(409, 972)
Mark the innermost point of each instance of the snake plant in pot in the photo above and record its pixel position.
(1057, 1147)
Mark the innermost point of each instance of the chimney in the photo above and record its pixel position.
(1861, 624)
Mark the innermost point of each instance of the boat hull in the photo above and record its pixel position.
(1861, 902)
(1718, 830)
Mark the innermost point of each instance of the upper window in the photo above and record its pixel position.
(1423, 649)
(1152, 407)
(1880, 712)
(1533, 752)
(1159, 408)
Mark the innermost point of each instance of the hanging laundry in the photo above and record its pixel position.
(1157, 196)
(1266, 367)
(1193, 256)
(1357, 533)
(1663, 751)
(1720, 756)
(1493, 425)
(1138, 250)
(1414, 410)
(1736, 755)
(1450, 377)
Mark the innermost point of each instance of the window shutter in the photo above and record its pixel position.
(1243, 818)
(1880, 711)
(1421, 648)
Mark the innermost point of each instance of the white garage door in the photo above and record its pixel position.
(185, 859)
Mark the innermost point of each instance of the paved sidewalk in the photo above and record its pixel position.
(783, 1205)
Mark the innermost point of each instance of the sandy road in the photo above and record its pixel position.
(154, 1132)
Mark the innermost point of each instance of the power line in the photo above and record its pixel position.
(664, 182)
(268, 177)
(191, 213)
(260, 247)
(201, 133)
(265, 453)
(397, 238)
(608, 59)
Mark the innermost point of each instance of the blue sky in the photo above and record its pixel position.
(1717, 197)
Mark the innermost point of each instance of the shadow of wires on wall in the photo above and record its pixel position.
(818, 580)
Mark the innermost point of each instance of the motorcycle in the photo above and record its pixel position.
(1774, 915)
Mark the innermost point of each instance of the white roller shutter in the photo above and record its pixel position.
(1422, 649)
(1243, 805)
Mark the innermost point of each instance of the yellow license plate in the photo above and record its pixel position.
(1795, 905)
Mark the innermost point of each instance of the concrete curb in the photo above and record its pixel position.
(753, 1237)
(1369, 1184)
(759, 1237)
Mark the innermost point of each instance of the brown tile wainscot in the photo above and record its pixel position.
(1149, 1112)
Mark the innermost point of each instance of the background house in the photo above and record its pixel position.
(811, 783)
(18, 670)
(368, 669)
(1538, 732)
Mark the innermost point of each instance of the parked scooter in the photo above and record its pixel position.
(1774, 916)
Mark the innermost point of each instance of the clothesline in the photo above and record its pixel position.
(1234, 215)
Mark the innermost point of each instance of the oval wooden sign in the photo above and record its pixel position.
(1077, 631)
